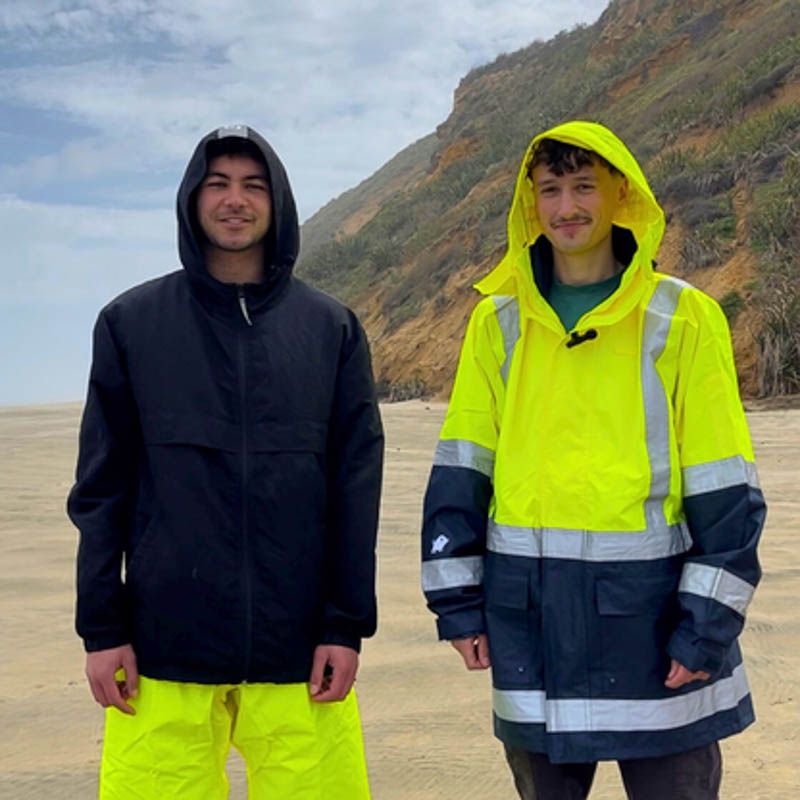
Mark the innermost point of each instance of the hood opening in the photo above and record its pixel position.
(283, 237)
(641, 216)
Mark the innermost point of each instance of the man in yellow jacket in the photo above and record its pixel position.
(593, 511)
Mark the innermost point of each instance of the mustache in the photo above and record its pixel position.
(570, 220)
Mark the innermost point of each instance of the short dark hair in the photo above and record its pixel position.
(560, 157)
(235, 146)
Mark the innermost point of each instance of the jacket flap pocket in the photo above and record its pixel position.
(189, 429)
(301, 435)
(627, 596)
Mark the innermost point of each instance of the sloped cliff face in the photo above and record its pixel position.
(707, 95)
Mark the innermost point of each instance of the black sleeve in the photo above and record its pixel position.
(100, 503)
(355, 468)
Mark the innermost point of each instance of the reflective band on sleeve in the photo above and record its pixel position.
(658, 319)
(591, 715)
(507, 312)
(582, 545)
(715, 475)
(463, 453)
(718, 584)
(449, 573)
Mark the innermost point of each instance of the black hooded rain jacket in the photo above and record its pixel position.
(230, 466)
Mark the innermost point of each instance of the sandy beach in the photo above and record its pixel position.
(427, 722)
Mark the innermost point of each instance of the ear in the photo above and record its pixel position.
(623, 190)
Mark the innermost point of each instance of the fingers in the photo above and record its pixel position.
(107, 691)
(101, 669)
(334, 683)
(315, 681)
(466, 647)
(680, 675)
(674, 666)
(115, 697)
(130, 686)
(474, 650)
(97, 691)
(341, 680)
(482, 651)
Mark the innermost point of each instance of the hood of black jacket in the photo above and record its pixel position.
(283, 237)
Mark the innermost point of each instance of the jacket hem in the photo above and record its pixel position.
(182, 674)
(594, 746)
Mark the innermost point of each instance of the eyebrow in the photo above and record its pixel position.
(545, 182)
(218, 174)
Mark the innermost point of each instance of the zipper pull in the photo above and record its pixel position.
(243, 305)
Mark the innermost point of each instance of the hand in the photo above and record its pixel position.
(679, 675)
(333, 672)
(101, 668)
(474, 650)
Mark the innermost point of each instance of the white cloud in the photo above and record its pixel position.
(57, 255)
(104, 100)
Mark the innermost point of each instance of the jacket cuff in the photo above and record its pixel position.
(461, 624)
(696, 654)
(343, 639)
(105, 642)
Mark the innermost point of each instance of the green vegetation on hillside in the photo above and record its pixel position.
(775, 234)
(674, 73)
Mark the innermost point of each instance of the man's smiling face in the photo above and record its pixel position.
(234, 205)
(576, 209)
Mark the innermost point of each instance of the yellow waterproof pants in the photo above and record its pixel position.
(176, 745)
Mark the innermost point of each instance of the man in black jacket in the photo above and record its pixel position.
(230, 456)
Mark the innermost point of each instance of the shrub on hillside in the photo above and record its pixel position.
(732, 305)
(397, 391)
(775, 233)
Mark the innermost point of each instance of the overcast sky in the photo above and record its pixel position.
(102, 102)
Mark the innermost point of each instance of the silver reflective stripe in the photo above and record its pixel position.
(520, 705)
(507, 313)
(582, 545)
(657, 321)
(714, 475)
(718, 584)
(449, 573)
(240, 131)
(590, 715)
(463, 453)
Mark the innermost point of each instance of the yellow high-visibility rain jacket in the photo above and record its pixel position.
(593, 504)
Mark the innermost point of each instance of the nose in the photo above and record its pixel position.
(567, 204)
(234, 197)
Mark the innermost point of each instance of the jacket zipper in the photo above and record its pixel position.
(248, 586)
(243, 305)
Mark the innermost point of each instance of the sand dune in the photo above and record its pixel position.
(427, 721)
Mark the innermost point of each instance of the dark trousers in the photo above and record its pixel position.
(694, 775)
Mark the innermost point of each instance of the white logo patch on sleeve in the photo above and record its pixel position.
(439, 544)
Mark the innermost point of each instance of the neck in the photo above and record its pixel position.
(582, 269)
(236, 267)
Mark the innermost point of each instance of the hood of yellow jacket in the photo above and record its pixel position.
(640, 214)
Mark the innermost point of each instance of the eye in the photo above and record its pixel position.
(215, 184)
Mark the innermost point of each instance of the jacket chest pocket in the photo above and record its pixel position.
(513, 621)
